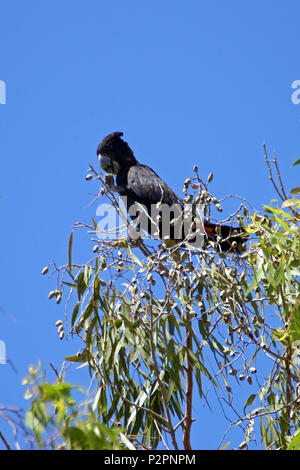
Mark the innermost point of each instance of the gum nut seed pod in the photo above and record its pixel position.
(60, 328)
(61, 335)
(52, 294)
(58, 298)
(89, 177)
(58, 323)
(210, 177)
(45, 270)
(95, 248)
(195, 168)
(252, 370)
(219, 207)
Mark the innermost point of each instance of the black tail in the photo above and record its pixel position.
(226, 238)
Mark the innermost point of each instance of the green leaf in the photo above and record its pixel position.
(283, 224)
(295, 442)
(276, 211)
(281, 335)
(75, 313)
(81, 285)
(78, 358)
(95, 223)
(70, 251)
(278, 275)
(69, 284)
(51, 391)
(297, 162)
(252, 286)
(223, 447)
(133, 256)
(249, 401)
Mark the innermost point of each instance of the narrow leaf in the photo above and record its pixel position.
(70, 251)
(295, 190)
(297, 162)
(290, 203)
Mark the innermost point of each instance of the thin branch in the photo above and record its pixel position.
(5, 441)
(279, 176)
(281, 195)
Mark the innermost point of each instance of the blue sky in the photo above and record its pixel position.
(188, 82)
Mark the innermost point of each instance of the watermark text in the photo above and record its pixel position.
(2, 352)
(2, 92)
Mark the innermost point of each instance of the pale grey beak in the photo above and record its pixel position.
(108, 165)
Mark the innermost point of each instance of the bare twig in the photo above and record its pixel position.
(268, 162)
(4, 441)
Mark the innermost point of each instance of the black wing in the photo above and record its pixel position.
(149, 187)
